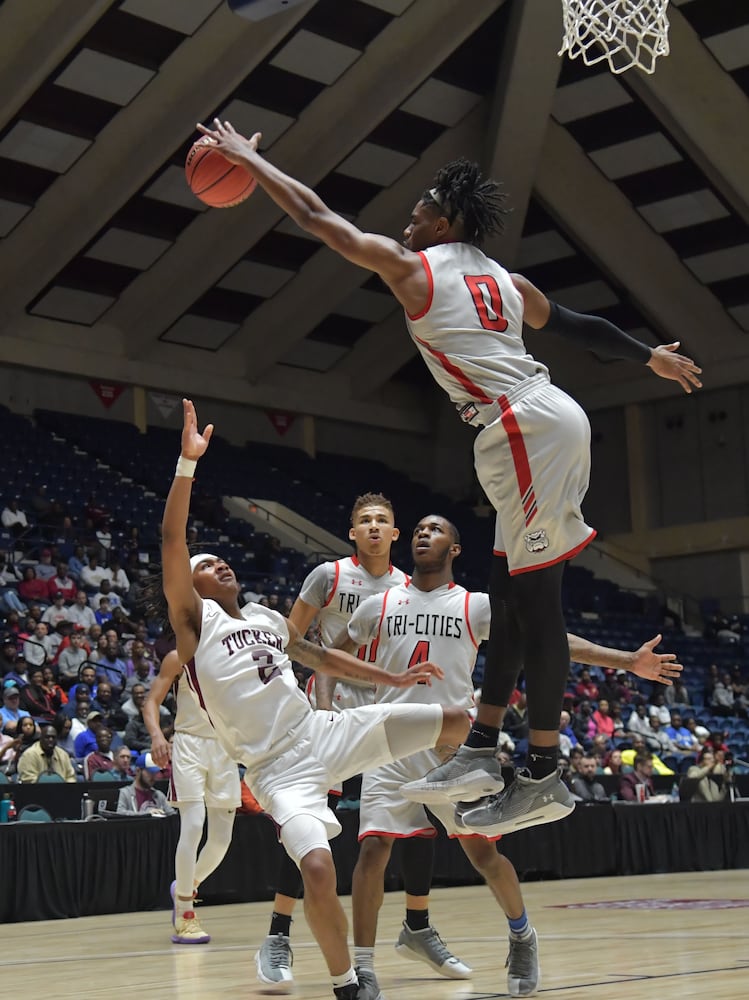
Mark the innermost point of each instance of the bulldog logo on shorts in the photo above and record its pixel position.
(536, 541)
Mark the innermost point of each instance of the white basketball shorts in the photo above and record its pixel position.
(201, 769)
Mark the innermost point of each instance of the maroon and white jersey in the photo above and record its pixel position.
(190, 718)
(470, 334)
(244, 682)
(408, 626)
(337, 589)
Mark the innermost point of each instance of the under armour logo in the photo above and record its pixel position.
(404, 601)
(548, 798)
(356, 583)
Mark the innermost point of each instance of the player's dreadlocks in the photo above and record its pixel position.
(460, 192)
(154, 599)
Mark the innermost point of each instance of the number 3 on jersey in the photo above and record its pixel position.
(419, 655)
(487, 299)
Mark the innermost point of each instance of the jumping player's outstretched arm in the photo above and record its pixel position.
(342, 664)
(660, 667)
(399, 267)
(169, 671)
(185, 606)
(597, 334)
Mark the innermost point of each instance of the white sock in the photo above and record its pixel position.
(345, 979)
(364, 958)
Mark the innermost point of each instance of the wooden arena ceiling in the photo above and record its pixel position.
(630, 193)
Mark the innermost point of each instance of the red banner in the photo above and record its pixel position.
(108, 392)
(281, 420)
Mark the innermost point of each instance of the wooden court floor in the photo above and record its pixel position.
(639, 938)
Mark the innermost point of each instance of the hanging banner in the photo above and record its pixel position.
(108, 392)
(281, 420)
(166, 405)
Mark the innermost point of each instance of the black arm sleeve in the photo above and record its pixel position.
(595, 334)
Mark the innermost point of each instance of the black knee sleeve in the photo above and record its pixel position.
(417, 865)
(504, 652)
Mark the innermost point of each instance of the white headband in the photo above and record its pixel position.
(199, 559)
(435, 196)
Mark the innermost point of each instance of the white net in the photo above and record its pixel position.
(625, 32)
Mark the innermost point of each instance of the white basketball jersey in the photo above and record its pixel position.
(470, 334)
(408, 626)
(189, 718)
(337, 589)
(243, 681)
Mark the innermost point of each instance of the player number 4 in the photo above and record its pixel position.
(419, 655)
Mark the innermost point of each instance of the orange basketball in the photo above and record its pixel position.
(215, 180)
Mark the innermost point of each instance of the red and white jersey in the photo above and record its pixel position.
(337, 589)
(470, 334)
(244, 682)
(190, 718)
(408, 626)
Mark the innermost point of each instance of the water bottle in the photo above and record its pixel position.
(87, 806)
(4, 808)
(12, 811)
(675, 792)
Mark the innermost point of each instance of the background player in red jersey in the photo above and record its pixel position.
(465, 314)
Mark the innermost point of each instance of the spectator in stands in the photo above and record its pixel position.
(641, 775)
(71, 659)
(105, 591)
(576, 755)
(14, 519)
(583, 783)
(63, 727)
(108, 703)
(122, 765)
(56, 612)
(122, 625)
(677, 694)
(36, 700)
(9, 580)
(87, 676)
(103, 611)
(37, 649)
(685, 743)
(77, 694)
(27, 733)
(602, 720)
(120, 581)
(140, 667)
(63, 583)
(516, 719)
(717, 742)
(99, 648)
(722, 698)
(111, 665)
(599, 747)
(255, 592)
(11, 712)
(80, 613)
(640, 747)
(102, 758)
(45, 570)
(699, 732)
(141, 796)
(53, 689)
(582, 722)
(659, 708)
(586, 688)
(639, 722)
(740, 691)
(77, 562)
(704, 774)
(45, 757)
(136, 731)
(567, 738)
(31, 588)
(612, 762)
(85, 742)
(79, 719)
(92, 574)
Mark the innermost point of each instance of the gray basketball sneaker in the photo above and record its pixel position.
(468, 775)
(427, 946)
(369, 988)
(525, 803)
(273, 962)
(523, 973)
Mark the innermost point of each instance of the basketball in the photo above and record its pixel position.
(215, 180)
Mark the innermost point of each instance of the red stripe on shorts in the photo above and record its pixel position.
(519, 459)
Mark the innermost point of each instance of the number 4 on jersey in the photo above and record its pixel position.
(419, 655)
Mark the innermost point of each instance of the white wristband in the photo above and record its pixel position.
(185, 467)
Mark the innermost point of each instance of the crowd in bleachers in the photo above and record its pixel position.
(79, 533)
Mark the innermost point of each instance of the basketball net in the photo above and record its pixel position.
(627, 33)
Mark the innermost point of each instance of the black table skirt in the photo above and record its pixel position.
(69, 869)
